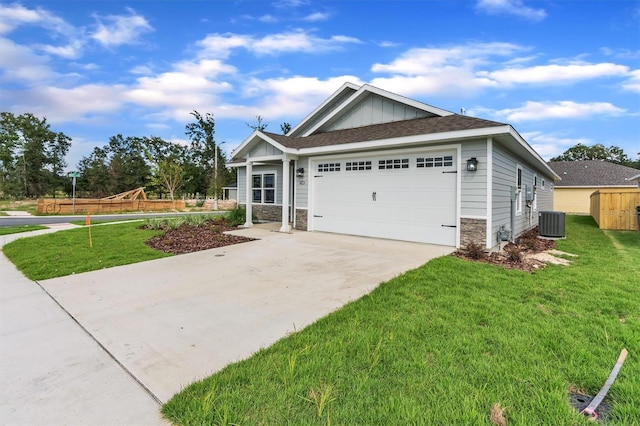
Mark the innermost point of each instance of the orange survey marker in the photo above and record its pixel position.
(87, 222)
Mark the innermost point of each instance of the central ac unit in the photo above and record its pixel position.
(551, 224)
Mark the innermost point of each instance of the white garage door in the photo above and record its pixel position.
(410, 197)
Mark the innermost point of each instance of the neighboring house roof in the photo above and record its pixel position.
(394, 129)
(592, 173)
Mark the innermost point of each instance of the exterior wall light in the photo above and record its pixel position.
(472, 164)
(300, 172)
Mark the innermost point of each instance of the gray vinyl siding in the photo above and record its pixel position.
(474, 184)
(329, 109)
(264, 149)
(504, 176)
(374, 109)
(242, 173)
(302, 184)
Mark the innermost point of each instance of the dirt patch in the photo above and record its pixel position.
(189, 238)
(528, 253)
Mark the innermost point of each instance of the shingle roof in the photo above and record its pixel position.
(593, 173)
(395, 129)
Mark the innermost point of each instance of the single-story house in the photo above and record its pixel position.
(581, 178)
(372, 163)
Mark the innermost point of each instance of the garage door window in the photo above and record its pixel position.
(357, 165)
(446, 161)
(264, 188)
(397, 163)
(329, 167)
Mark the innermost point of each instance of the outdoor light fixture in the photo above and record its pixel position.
(300, 172)
(472, 164)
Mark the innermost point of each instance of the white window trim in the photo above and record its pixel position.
(262, 188)
(534, 204)
(519, 190)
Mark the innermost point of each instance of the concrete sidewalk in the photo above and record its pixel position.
(51, 370)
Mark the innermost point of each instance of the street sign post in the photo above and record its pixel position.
(73, 175)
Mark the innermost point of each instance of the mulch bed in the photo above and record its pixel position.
(516, 255)
(189, 238)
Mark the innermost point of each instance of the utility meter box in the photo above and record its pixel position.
(528, 193)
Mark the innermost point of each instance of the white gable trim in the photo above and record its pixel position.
(531, 151)
(257, 136)
(318, 110)
(368, 89)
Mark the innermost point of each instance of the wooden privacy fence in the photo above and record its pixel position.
(85, 205)
(616, 208)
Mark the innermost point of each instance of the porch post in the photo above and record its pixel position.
(249, 195)
(285, 194)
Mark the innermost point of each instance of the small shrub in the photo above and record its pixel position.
(175, 222)
(475, 251)
(237, 216)
(199, 203)
(513, 253)
(197, 219)
(155, 224)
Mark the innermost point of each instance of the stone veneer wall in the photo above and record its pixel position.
(267, 212)
(473, 230)
(301, 219)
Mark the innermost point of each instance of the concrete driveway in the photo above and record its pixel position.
(175, 320)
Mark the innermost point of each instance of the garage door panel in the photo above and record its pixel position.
(412, 204)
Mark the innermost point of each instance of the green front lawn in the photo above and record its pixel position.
(17, 229)
(69, 252)
(444, 343)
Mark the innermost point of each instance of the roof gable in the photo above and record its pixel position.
(355, 106)
(593, 173)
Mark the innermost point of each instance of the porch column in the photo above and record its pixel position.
(249, 195)
(285, 194)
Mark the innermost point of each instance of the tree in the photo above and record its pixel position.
(205, 154)
(285, 127)
(579, 152)
(169, 173)
(31, 156)
(259, 124)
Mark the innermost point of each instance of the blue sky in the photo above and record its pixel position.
(561, 72)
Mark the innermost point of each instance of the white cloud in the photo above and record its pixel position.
(268, 19)
(20, 63)
(532, 111)
(284, 97)
(17, 15)
(75, 104)
(511, 7)
(317, 17)
(441, 71)
(633, 83)
(552, 145)
(221, 45)
(120, 29)
(555, 73)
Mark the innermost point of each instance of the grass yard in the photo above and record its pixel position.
(22, 205)
(446, 342)
(6, 230)
(68, 252)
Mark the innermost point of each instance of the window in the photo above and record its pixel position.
(519, 190)
(329, 167)
(393, 164)
(357, 165)
(446, 161)
(264, 188)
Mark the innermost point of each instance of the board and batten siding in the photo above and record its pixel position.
(301, 197)
(474, 184)
(264, 149)
(375, 109)
(505, 167)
